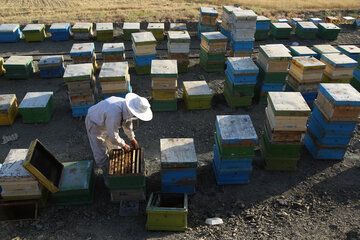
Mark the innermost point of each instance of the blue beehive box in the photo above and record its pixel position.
(82, 49)
(10, 32)
(316, 21)
(60, 31)
(241, 71)
(80, 111)
(350, 50)
(144, 60)
(51, 66)
(178, 165)
(242, 46)
(282, 20)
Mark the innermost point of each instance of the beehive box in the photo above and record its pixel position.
(307, 69)
(280, 30)
(10, 32)
(338, 67)
(197, 95)
(105, 32)
(302, 51)
(328, 31)
(34, 32)
(114, 78)
(43, 166)
(235, 101)
(19, 210)
(306, 30)
(37, 107)
(8, 109)
(143, 38)
(164, 105)
(316, 20)
(208, 16)
(164, 79)
(60, 31)
(82, 31)
(167, 212)
(77, 184)
(241, 90)
(113, 52)
(274, 58)
(324, 49)
(178, 27)
(127, 195)
(19, 67)
(164, 68)
(51, 66)
(262, 28)
(351, 51)
(213, 42)
(17, 183)
(126, 170)
(129, 28)
(282, 20)
(82, 50)
(157, 30)
(179, 41)
(241, 70)
(331, 19)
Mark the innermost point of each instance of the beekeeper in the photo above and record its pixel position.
(106, 117)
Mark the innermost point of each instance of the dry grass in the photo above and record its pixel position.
(48, 11)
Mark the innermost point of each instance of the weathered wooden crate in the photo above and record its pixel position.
(214, 42)
(104, 32)
(166, 95)
(288, 104)
(212, 67)
(10, 32)
(129, 28)
(164, 83)
(60, 31)
(208, 15)
(178, 42)
(167, 212)
(19, 210)
(34, 32)
(307, 69)
(338, 66)
(8, 109)
(51, 66)
(211, 58)
(19, 67)
(126, 170)
(37, 107)
(113, 52)
(77, 184)
(197, 95)
(278, 136)
(274, 58)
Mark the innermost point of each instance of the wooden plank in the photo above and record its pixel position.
(138, 161)
(122, 162)
(133, 161)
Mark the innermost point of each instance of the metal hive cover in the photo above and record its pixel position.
(178, 35)
(113, 47)
(156, 26)
(77, 70)
(236, 128)
(241, 64)
(36, 99)
(59, 26)
(131, 25)
(18, 60)
(104, 26)
(114, 69)
(82, 47)
(51, 60)
(83, 25)
(142, 37)
(195, 88)
(288, 101)
(12, 166)
(177, 150)
(5, 101)
(164, 67)
(8, 27)
(340, 93)
(33, 27)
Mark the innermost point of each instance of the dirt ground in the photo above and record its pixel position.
(321, 200)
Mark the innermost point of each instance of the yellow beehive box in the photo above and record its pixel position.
(8, 109)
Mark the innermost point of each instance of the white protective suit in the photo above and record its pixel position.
(102, 124)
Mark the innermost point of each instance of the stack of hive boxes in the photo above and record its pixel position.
(8, 109)
(83, 53)
(339, 68)
(324, 49)
(34, 32)
(105, 32)
(262, 28)
(294, 21)
(19, 67)
(333, 120)
(82, 31)
(164, 76)
(113, 52)
(212, 51)
(350, 50)
(280, 30)
(240, 80)
(355, 82)
(129, 28)
(157, 29)
(226, 22)
(305, 75)
(10, 32)
(285, 125)
(235, 139)
(37, 107)
(302, 51)
(60, 31)
(273, 62)
(179, 49)
(207, 20)
(51, 66)
(243, 32)
(306, 30)
(114, 79)
(2, 69)
(328, 31)
(80, 81)
(178, 27)
(144, 48)
(178, 165)
(197, 95)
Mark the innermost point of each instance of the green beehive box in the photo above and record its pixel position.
(163, 105)
(289, 164)
(167, 212)
(211, 58)
(34, 32)
(105, 32)
(183, 68)
(328, 31)
(233, 152)
(77, 184)
(143, 70)
(129, 28)
(241, 90)
(37, 107)
(261, 35)
(219, 67)
(157, 29)
(197, 95)
(325, 49)
(19, 67)
(234, 101)
(280, 30)
(306, 30)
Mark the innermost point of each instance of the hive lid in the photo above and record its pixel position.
(316, 19)
(241, 65)
(114, 70)
(195, 88)
(177, 152)
(179, 36)
(74, 71)
(33, 27)
(156, 26)
(214, 36)
(235, 128)
(302, 50)
(164, 67)
(262, 19)
(307, 62)
(80, 49)
(208, 11)
(43, 166)
(178, 26)
(281, 25)
(9, 27)
(36, 100)
(82, 26)
(13, 164)
(48, 61)
(329, 26)
(240, 14)
(6, 100)
(113, 47)
(76, 176)
(339, 60)
(325, 48)
(229, 9)
(143, 37)
(307, 25)
(340, 93)
(18, 60)
(131, 25)
(287, 103)
(275, 52)
(104, 26)
(349, 49)
(56, 26)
